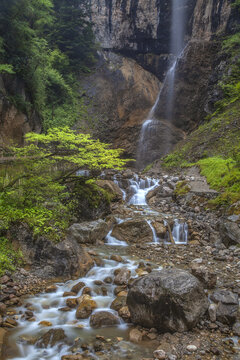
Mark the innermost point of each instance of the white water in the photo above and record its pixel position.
(155, 238)
(139, 188)
(180, 232)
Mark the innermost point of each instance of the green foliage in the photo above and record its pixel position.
(147, 168)
(6, 69)
(8, 257)
(47, 43)
(182, 188)
(222, 175)
(37, 191)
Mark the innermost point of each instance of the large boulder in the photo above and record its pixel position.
(89, 232)
(51, 338)
(230, 233)
(66, 259)
(169, 300)
(103, 318)
(133, 231)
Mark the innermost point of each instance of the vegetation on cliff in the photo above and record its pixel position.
(214, 146)
(47, 43)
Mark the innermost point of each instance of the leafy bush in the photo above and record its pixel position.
(8, 257)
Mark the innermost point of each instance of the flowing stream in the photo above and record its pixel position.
(48, 306)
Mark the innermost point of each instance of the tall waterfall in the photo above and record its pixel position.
(147, 149)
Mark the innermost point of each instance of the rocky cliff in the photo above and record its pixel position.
(140, 30)
(15, 120)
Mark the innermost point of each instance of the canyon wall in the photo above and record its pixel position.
(15, 121)
(139, 31)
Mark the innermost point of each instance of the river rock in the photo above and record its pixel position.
(135, 335)
(160, 354)
(103, 318)
(76, 288)
(160, 229)
(111, 188)
(169, 300)
(124, 313)
(122, 276)
(118, 303)
(133, 231)
(51, 338)
(230, 233)
(89, 232)
(85, 307)
(72, 302)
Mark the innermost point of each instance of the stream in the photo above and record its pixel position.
(49, 306)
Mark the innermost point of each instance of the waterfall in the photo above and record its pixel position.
(147, 152)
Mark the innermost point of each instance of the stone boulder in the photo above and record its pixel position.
(51, 338)
(230, 233)
(133, 231)
(206, 276)
(122, 276)
(227, 306)
(112, 188)
(66, 259)
(85, 307)
(169, 300)
(103, 318)
(88, 232)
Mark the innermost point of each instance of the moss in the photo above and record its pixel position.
(182, 188)
(222, 175)
(8, 257)
(147, 168)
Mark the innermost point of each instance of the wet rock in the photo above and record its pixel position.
(117, 258)
(87, 291)
(103, 318)
(133, 231)
(3, 308)
(89, 232)
(68, 293)
(160, 229)
(118, 303)
(51, 338)
(45, 323)
(124, 313)
(169, 300)
(85, 307)
(230, 233)
(122, 276)
(76, 288)
(108, 280)
(10, 323)
(111, 188)
(72, 302)
(206, 276)
(51, 288)
(3, 334)
(135, 336)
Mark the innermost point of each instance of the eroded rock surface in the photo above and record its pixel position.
(169, 300)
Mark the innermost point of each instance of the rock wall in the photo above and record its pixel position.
(141, 30)
(15, 123)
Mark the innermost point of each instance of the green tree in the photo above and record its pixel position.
(38, 193)
(73, 33)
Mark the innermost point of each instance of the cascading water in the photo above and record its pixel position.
(139, 189)
(148, 148)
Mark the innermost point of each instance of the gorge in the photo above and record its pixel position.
(119, 179)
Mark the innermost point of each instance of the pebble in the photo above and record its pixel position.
(159, 354)
(191, 348)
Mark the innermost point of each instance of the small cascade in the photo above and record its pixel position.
(155, 237)
(139, 188)
(120, 187)
(180, 232)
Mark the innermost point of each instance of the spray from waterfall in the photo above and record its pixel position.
(146, 152)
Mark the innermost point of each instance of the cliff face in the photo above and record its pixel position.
(15, 123)
(141, 30)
